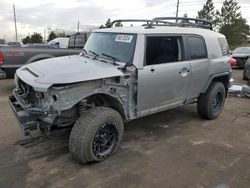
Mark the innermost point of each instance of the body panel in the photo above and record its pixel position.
(165, 85)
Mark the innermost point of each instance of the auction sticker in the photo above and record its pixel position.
(124, 38)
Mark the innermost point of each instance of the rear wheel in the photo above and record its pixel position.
(210, 104)
(96, 135)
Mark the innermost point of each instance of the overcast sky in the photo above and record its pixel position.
(38, 15)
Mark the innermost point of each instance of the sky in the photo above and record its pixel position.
(45, 15)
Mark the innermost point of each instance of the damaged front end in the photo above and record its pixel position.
(60, 105)
(34, 110)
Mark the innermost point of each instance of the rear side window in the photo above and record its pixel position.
(197, 47)
(224, 46)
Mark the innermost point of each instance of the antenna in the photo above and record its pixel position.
(177, 9)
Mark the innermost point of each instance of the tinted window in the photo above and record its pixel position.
(197, 48)
(224, 46)
(163, 49)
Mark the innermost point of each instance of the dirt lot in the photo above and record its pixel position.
(175, 148)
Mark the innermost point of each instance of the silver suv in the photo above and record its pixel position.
(123, 73)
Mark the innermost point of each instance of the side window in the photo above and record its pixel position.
(224, 46)
(197, 48)
(163, 49)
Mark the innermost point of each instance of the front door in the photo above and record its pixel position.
(164, 80)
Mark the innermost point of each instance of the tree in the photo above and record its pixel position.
(231, 23)
(36, 38)
(26, 40)
(236, 32)
(61, 34)
(52, 36)
(208, 12)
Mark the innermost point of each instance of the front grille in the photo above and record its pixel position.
(27, 94)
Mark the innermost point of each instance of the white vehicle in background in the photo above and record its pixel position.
(60, 42)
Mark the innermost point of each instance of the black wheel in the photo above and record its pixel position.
(96, 135)
(210, 104)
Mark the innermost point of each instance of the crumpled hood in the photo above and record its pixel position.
(68, 69)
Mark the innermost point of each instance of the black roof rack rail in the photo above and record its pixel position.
(130, 20)
(168, 21)
(181, 21)
(147, 22)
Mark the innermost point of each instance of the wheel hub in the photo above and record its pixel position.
(217, 102)
(105, 140)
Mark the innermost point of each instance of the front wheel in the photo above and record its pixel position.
(96, 135)
(210, 104)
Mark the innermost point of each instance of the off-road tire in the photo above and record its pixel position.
(205, 105)
(84, 131)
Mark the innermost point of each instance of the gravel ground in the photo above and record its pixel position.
(175, 148)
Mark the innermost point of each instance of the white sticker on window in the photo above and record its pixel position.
(124, 38)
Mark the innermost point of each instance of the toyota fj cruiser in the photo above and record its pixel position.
(122, 74)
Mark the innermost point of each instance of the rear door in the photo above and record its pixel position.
(199, 64)
(163, 82)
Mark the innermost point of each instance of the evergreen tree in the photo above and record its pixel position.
(52, 36)
(26, 40)
(207, 12)
(231, 23)
(36, 38)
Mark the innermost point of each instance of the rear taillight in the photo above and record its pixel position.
(1, 58)
(232, 62)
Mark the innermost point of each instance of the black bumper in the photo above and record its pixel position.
(27, 121)
(2, 74)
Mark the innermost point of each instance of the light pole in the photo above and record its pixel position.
(15, 21)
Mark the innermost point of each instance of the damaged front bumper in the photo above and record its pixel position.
(27, 121)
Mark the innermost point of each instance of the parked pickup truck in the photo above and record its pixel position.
(13, 58)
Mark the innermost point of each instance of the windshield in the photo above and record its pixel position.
(244, 50)
(118, 45)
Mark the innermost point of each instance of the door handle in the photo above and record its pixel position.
(184, 71)
(152, 69)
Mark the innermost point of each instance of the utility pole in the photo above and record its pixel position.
(78, 25)
(15, 21)
(177, 9)
(44, 35)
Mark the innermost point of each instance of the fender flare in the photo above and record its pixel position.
(216, 76)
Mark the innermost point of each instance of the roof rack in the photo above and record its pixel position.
(168, 21)
(130, 20)
(184, 22)
(147, 22)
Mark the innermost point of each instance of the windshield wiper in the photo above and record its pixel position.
(94, 53)
(85, 52)
(111, 57)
